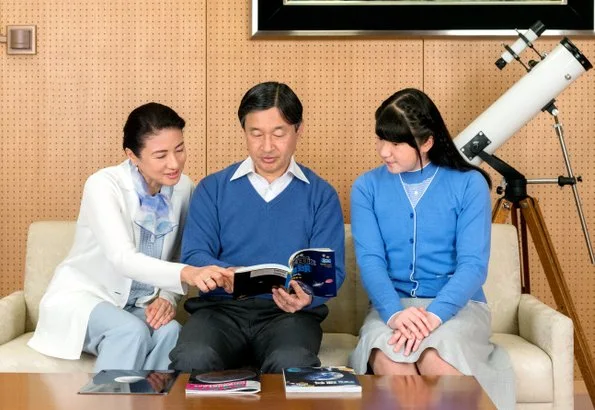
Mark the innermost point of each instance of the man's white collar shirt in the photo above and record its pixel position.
(269, 191)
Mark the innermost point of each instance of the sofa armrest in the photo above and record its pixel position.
(553, 332)
(13, 312)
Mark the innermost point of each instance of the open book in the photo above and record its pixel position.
(314, 269)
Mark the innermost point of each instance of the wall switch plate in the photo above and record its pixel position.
(21, 39)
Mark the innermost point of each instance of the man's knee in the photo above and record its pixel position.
(282, 358)
(187, 357)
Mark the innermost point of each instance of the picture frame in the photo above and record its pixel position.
(419, 18)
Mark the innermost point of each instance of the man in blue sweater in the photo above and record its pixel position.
(258, 211)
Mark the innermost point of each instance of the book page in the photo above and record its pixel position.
(259, 279)
(257, 269)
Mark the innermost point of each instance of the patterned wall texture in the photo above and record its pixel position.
(63, 109)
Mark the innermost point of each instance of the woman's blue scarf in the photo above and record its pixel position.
(155, 212)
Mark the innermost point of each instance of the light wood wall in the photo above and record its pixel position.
(63, 109)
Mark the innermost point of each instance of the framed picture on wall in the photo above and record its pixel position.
(280, 18)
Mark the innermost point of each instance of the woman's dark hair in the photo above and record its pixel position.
(268, 95)
(148, 120)
(410, 116)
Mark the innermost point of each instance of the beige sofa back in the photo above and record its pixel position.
(503, 285)
(48, 244)
(348, 310)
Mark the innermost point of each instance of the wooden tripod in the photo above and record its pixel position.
(530, 214)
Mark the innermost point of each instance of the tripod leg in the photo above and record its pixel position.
(521, 225)
(501, 210)
(547, 255)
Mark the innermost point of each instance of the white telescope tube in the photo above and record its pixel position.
(523, 101)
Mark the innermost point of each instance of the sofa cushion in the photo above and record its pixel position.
(17, 357)
(532, 368)
(336, 348)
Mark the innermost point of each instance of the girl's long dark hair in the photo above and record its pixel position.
(410, 116)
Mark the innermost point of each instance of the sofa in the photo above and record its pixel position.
(538, 339)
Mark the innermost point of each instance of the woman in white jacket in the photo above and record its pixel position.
(115, 294)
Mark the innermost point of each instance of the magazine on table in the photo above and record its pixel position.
(130, 382)
(236, 381)
(320, 380)
(313, 269)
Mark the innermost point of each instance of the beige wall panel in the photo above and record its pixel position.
(340, 83)
(462, 77)
(63, 109)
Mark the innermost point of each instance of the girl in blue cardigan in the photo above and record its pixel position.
(421, 225)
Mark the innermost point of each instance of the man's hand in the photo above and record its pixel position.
(208, 278)
(291, 303)
(159, 313)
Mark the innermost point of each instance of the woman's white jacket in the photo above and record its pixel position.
(104, 260)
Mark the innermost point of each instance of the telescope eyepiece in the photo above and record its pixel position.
(538, 28)
(525, 40)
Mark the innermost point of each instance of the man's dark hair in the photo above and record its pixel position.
(268, 95)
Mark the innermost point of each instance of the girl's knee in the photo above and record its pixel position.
(430, 354)
(381, 364)
(431, 363)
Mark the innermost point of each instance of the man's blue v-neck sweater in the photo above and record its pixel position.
(230, 224)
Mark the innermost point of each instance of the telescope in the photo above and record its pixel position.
(535, 92)
(523, 101)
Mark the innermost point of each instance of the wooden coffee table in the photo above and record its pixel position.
(58, 391)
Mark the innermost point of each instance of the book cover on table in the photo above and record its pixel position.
(234, 381)
(320, 380)
(130, 382)
(313, 268)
